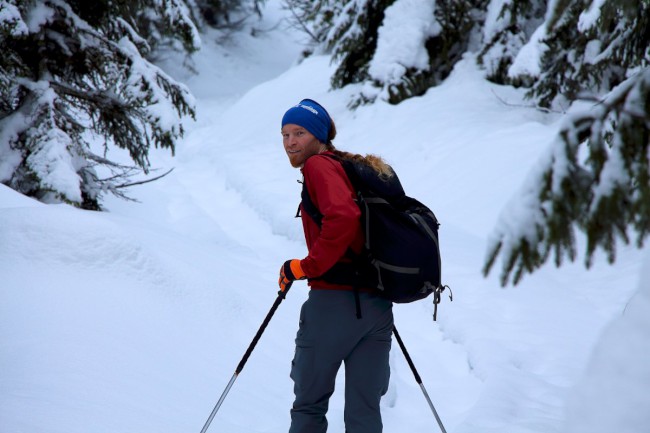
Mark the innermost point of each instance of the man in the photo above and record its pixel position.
(332, 329)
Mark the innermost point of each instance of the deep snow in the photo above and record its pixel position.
(133, 320)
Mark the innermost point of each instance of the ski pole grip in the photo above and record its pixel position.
(283, 293)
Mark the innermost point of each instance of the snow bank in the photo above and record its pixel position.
(613, 394)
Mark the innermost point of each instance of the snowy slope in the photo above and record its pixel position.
(133, 320)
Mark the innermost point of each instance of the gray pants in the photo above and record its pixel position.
(329, 334)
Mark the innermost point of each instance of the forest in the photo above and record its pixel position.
(76, 80)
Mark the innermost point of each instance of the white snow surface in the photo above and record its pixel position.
(10, 18)
(494, 21)
(134, 319)
(527, 63)
(590, 16)
(406, 26)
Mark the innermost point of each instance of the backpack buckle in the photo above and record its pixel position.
(437, 291)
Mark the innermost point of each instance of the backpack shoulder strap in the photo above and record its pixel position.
(309, 207)
(307, 203)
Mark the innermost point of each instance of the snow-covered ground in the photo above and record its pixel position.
(134, 319)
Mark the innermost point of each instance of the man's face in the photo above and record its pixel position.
(299, 144)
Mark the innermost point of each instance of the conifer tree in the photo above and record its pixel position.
(459, 21)
(360, 36)
(434, 35)
(73, 74)
(315, 18)
(352, 39)
(566, 52)
(509, 25)
(595, 178)
(590, 47)
(225, 15)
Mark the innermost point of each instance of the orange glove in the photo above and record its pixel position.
(289, 272)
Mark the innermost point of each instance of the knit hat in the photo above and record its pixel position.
(310, 115)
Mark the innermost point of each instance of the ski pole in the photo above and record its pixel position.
(281, 295)
(418, 379)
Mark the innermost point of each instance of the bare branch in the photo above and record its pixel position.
(531, 106)
(126, 185)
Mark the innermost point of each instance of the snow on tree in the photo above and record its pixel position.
(224, 15)
(163, 22)
(590, 47)
(562, 50)
(460, 21)
(395, 48)
(596, 175)
(417, 46)
(509, 26)
(74, 72)
(604, 193)
(401, 58)
(352, 39)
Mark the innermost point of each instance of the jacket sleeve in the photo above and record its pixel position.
(332, 193)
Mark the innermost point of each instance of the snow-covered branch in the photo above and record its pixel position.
(604, 195)
(91, 75)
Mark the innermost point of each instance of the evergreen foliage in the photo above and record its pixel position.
(593, 46)
(315, 18)
(225, 15)
(434, 36)
(566, 52)
(352, 40)
(458, 20)
(603, 194)
(509, 25)
(73, 72)
(452, 25)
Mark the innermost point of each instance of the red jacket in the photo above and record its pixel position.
(332, 193)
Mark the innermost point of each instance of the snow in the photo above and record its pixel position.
(615, 386)
(133, 320)
(528, 59)
(592, 50)
(177, 13)
(54, 164)
(614, 174)
(10, 158)
(496, 18)
(590, 16)
(406, 27)
(10, 18)
(38, 16)
(160, 111)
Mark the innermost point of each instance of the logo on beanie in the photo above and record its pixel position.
(314, 118)
(308, 108)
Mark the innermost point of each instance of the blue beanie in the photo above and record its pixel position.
(310, 115)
